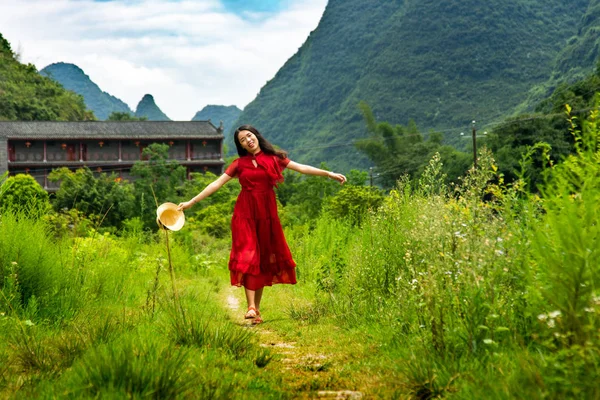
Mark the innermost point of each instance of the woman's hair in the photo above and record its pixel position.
(262, 142)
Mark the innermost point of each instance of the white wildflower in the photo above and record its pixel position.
(554, 314)
(542, 317)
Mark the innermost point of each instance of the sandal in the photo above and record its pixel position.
(257, 320)
(252, 313)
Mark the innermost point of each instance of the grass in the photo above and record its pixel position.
(474, 291)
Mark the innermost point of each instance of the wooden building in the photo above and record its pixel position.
(37, 147)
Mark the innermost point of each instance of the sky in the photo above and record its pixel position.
(186, 53)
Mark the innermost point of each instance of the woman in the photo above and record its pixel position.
(259, 255)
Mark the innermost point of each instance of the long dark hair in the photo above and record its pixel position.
(264, 144)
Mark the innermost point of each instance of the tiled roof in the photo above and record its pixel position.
(108, 130)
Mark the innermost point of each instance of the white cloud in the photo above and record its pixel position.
(186, 54)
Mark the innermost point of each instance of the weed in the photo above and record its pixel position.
(263, 358)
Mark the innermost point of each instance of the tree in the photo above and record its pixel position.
(353, 202)
(104, 196)
(25, 95)
(213, 214)
(22, 194)
(157, 181)
(303, 196)
(124, 116)
(402, 150)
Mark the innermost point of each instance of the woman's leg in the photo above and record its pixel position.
(253, 297)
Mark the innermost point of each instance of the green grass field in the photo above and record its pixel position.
(480, 290)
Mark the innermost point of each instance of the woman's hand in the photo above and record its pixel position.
(338, 177)
(185, 205)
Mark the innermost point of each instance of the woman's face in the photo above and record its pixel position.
(248, 141)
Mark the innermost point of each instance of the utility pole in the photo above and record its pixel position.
(371, 176)
(474, 145)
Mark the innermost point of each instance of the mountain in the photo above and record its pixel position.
(73, 78)
(439, 64)
(25, 95)
(216, 114)
(148, 108)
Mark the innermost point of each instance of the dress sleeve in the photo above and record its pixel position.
(283, 162)
(232, 170)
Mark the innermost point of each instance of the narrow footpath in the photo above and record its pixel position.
(306, 369)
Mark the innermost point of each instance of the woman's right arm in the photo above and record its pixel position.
(210, 189)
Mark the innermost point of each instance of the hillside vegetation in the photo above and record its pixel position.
(25, 95)
(441, 65)
(73, 78)
(147, 108)
(215, 113)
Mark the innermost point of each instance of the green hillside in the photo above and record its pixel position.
(26, 95)
(73, 78)
(147, 108)
(440, 64)
(227, 114)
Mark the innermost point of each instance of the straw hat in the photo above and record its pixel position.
(167, 217)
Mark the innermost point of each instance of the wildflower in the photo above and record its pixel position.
(551, 323)
(499, 253)
(414, 282)
(554, 314)
(542, 317)
(588, 309)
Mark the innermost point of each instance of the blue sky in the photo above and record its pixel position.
(186, 53)
(239, 7)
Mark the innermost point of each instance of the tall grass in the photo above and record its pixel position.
(469, 280)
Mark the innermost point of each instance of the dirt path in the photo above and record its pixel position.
(304, 366)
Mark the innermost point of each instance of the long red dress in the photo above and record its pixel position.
(260, 255)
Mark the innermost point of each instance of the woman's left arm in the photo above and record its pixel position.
(308, 170)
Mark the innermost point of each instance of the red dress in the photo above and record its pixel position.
(260, 255)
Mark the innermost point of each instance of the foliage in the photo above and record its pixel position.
(466, 280)
(104, 198)
(511, 138)
(72, 78)
(570, 235)
(157, 180)
(22, 194)
(217, 114)
(124, 116)
(441, 66)
(25, 95)
(303, 196)
(398, 150)
(353, 202)
(213, 214)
